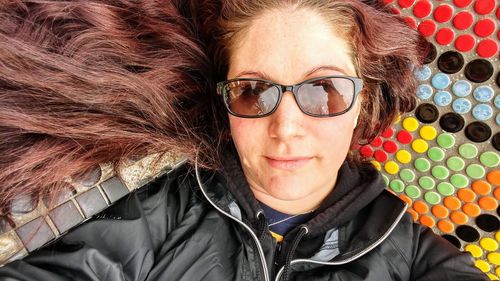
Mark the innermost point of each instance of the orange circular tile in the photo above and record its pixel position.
(481, 187)
(488, 203)
(496, 192)
(452, 203)
(413, 214)
(427, 221)
(466, 195)
(406, 199)
(439, 211)
(445, 226)
(420, 207)
(494, 177)
(471, 209)
(458, 217)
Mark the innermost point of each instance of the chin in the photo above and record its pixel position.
(289, 189)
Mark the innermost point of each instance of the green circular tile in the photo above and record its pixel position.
(407, 175)
(459, 180)
(432, 197)
(440, 172)
(413, 191)
(446, 140)
(445, 188)
(426, 182)
(455, 163)
(386, 180)
(397, 185)
(490, 159)
(422, 164)
(475, 171)
(435, 154)
(467, 150)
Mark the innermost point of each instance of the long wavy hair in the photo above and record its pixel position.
(87, 82)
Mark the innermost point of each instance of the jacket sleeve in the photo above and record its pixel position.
(436, 259)
(118, 244)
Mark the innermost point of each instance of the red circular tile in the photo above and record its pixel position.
(411, 22)
(484, 7)
(404, 137)
(388, 133)
(463, 20)
(422, 8)
(386, 2)
(377, 142)
(390, 146)
(461, 3)
(427, 28)
(443, 13)
(465, 42)
(444, 36)
(366, 151)
(498, 12)
(484, 27)
(380, 156)
(405, 3)
(487, 48)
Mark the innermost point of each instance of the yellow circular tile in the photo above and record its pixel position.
(376, 164)
(410, 124)
(492, 276)
(419, 145)
(497, 236)
(497, 270)
(428, 132)
(488, 244)
(474, 250)
(403, 156)
(391, 167)
(494, 258)
(484, 266)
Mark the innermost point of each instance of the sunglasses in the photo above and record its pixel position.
(325, 96)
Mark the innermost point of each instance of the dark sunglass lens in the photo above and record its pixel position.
(251, 98)
(326, 96)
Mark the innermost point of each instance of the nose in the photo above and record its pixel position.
(287, 121)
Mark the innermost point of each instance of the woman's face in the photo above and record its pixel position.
(289, 47)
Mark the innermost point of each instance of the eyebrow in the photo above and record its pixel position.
(265, 76)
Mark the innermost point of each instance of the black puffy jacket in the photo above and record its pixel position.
(198, 225)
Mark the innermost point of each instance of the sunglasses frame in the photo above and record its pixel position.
(357, 82)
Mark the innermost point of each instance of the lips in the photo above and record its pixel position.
(287, 163)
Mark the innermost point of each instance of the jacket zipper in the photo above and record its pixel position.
(256, 240)
(360, 254)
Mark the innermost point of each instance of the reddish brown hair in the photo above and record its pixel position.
(86, 82)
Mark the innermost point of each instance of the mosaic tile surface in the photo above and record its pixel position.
(443, 158)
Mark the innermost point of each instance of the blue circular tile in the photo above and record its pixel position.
(483, 93)
(442, 98)
(461, 88)
(497, 119)
(497, 101)
(482, 112)
(422, 73)
(440, 81)
(424, 91)
(461, 105)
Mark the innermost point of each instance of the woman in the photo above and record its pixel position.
(299, 84)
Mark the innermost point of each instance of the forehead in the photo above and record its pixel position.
(286, 45)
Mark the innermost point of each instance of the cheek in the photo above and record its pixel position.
(247, 135)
